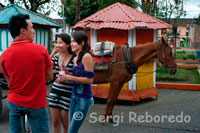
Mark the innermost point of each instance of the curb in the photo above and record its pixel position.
(130, 95)
(187, 61)
(187, 66)
(195, 65)
(193, 87)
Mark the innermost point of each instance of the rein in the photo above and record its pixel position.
(147, 73)
(131, 66)
(133, 69)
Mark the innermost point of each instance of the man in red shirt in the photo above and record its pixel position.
(26, 66)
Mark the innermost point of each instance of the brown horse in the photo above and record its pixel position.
(139, 55)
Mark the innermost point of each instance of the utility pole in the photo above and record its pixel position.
(63, 7)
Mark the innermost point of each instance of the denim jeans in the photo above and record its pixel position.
(77, 112)
(37, 118)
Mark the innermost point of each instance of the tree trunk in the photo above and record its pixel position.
(12, 1)
(34, 7)
(77, 17)
(149, 6)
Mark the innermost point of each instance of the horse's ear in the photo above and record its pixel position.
(164, 41)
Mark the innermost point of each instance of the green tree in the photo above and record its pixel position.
(42, 6)
(198, 20)
(162, 9)
(149, 6)
(168, 9)
(105, 3)
(87, 8)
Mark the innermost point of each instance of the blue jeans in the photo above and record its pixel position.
(77, 112)
(37, 118)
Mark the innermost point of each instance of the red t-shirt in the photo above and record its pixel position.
(25, 63)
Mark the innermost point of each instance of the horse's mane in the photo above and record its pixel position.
(145, 45)
(142, 45)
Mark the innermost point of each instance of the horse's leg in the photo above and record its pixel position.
(110, 93)
(112, 98)
(116, 87)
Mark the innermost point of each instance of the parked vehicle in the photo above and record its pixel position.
(0, 101)
(3, 85)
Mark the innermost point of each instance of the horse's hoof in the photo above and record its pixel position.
(110, 118)
(107, 120)
(104, 122)
(157, 97)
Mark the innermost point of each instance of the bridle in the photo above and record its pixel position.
(164, 57)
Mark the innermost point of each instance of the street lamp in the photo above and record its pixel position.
(175, 34)
(63, 7)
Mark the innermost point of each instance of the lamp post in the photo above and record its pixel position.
(175, 34)
(63, 7)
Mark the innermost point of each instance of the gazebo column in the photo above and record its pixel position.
(132, 43)
(154, 63)
(93, 40)
(93, 36)
(5, 39)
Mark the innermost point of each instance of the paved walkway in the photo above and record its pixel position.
(175, 111)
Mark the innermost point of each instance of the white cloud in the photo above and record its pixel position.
(54, 15)
(192, 8)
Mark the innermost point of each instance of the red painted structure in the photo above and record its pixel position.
(114, 23)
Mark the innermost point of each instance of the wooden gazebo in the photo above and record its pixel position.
(120, 23)
(42, 26)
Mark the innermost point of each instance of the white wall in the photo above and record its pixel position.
(41, 37)
(5, 39)
(55, 31)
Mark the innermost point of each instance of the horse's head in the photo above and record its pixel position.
(165, 56)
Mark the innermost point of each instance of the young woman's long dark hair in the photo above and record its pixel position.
(80, 36)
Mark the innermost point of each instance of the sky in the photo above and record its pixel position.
(192, 8)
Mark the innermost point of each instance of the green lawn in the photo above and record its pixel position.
(183, 76)
(186, 55)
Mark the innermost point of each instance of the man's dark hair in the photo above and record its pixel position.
(16, 23)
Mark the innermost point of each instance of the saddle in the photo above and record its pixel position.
(103, 54)
(103, 48)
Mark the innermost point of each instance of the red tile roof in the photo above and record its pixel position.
(121, 16)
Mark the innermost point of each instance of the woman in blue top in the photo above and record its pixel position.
(82, 76)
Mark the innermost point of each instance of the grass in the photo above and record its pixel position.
(196, 79)
(180, 54)
(181, 75)
(186, 55)
(190, 76)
